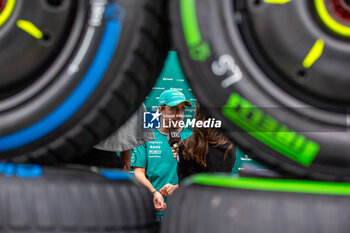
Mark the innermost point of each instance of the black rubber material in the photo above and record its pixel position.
(225, 52)
(326, 82)
(206, 209)
(99, 158)
(141, 50)
(33, 55)
(64, 200)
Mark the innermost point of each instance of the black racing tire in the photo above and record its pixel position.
(92, 67)
(227, 205)
(39, 199)
(244, 62)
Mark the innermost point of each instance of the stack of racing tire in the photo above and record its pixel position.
(72, 72)
(276, 72)
(273, 71)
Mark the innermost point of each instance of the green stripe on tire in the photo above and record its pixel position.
(278, 185)
(199, 50)
(269, 131)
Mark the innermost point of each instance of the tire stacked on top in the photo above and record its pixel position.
(276, 74)
(72, 72)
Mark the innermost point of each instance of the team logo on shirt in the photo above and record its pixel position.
(151, 120)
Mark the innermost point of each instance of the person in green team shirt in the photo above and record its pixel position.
(153, 163)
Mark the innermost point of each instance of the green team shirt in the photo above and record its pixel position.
(158, 160)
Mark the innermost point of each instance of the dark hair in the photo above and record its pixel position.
(196, 146)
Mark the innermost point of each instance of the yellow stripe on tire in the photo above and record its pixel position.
(329, 21)
(7, 11)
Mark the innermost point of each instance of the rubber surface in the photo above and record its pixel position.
(67, 200)
(206, 208)
(74, 105)
(243, 61)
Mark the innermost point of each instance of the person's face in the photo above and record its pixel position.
(173, 113)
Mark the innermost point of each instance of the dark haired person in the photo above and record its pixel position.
(205, 151)
(153, 163)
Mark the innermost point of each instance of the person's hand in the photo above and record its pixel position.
(158, 201)
(175, 150)
(168, 190)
